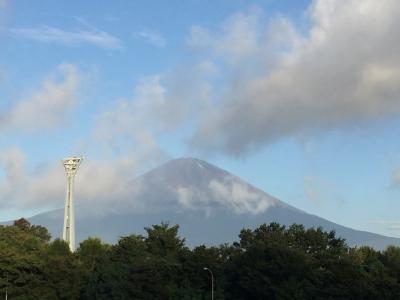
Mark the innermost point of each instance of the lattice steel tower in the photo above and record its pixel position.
(71, 165)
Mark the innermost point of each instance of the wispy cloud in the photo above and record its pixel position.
(319, 190)
(47, 106)
(152, 37)
(50, 34)
(395, 178)
(389, 225)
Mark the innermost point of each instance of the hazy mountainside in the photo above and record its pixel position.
(210, 204)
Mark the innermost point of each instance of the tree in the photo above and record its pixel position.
(62, 271)
(269, 262)
(92, 252)
(163, 240)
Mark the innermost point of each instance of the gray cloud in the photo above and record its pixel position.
(282, 83)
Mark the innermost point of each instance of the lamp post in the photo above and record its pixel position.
(212, 282)
(7, 287)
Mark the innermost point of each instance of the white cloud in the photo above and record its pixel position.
(239, 39)
(124, 135)
(23, 189)
(191, 198)
(394, 226)
(13, 162)
(311, 190)
(239, 197)
(160, 104)
(229, 193)
(200, 38)
(396, 178)
(319, 191)
(281, 83)
(389, 225)
(48, 106)
(137, 120)
(152, 37)
(50, 34)
(100, 184)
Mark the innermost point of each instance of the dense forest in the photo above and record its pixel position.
(270, 262)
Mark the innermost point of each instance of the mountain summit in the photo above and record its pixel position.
(209, 203)
(190, 184)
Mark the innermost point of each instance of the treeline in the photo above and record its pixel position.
(270, 262)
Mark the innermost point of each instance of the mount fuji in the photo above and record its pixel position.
(210, 205)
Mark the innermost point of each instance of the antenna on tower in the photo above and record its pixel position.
(71, 166)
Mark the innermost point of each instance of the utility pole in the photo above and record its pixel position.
(212, 282)
(6, 287)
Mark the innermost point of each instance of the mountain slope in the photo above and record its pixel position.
(210, 204)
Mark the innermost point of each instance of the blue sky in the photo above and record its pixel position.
(299, 98)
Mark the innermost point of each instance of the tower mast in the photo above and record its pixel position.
(71, 166)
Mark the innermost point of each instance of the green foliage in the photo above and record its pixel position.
(269, 262)
(163, 240)
(21, 268)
